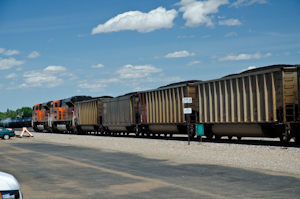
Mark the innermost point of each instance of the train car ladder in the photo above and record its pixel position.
(290, 91)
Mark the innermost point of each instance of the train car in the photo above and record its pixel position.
(63, 112)
(6, 123)
(262, 102)
(26, 121)
(41, 116)
(162, 110)
(89, 115)
(16, 123)
(120, 114)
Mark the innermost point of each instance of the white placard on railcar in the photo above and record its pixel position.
(186, 100)
(187, 110)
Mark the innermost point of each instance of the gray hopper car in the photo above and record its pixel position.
(260, 102)
(120, 113)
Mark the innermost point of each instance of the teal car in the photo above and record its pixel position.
(6, 133)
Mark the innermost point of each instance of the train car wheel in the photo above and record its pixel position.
(239, 138)
(217, 137)
(284, 138)
(209, 136)
(297, 139)
(136, 131)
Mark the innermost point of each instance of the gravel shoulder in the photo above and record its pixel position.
(283, 160)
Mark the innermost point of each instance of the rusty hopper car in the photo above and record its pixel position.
(161, 110)
(89, 115)
(120, 114)
(259, 102)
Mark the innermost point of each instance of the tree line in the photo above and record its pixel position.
(19, 113)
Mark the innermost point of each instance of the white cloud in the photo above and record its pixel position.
(9, 63)
(141, 88)
(135, 77)
(98, 66)
(19, 69)
(244, 56)
(70, 75)
(176, 54)
(249, 68)
(50, 40)
(205, 36)
(12, 75)
(230, 34)
(230, 22)
(55, 69)
(93, 87)
(2, 50)
(161, 79)
(41, 79)
(34, 54)
(247, 2)
(11, 52)
(139, 21)
(193, 63)
(287, 53)
(48, 77)
(98, 84)
(196, 12)
(130, 71)
(184, 36)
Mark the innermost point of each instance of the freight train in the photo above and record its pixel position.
(261, 102)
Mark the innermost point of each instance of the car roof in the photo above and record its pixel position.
(8, 182)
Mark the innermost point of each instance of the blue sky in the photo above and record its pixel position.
(52, 50)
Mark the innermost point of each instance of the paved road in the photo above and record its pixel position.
(60, 171)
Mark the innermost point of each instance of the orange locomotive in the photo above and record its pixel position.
(56, 116)
(40, 116)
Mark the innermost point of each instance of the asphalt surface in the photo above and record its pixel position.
(63, 171)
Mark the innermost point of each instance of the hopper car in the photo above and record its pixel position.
(262, 102)
(89, 115)
(161, 110)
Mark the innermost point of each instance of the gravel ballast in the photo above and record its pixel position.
(283, 160)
